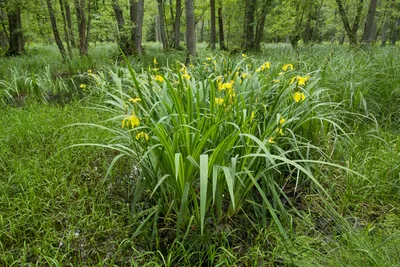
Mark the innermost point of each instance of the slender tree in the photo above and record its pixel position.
(66, 31)
(16, 43)
(139, 27)
(69, 22)
(222, 45)
(351, 30)
(177, 25)
(213, 35)
(249, 22)
(55, 30)
(190, 31)
(163, 35)
(368, 35)
(81, 17)
(261, 24)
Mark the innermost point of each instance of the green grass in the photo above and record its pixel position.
(64, 206)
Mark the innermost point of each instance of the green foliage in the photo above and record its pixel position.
(209, 164)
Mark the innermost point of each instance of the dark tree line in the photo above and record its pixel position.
(70, 22)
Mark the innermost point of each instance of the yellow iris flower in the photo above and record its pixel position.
(299, 97)
(287, 67)
(159, 78)
(131, 121)
(142, 135)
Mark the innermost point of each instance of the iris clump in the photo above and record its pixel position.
(221, 137)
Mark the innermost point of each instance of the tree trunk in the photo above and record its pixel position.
(295, 35)
(316, 31)
(190, 31)
(69, 22)
(133, 15)
(369, 23)
(89, 19)
(16, 37)
(139, 27)
(118, 15)
(307, 30)
(55, 30)
(248, 34)
(395, 32)
(81, 17)
(202, 31)
(351, 31)
(163, 34)
(177, 25)
(261, 25)
(3, 18)
(213, 34)
(66, 32)
(221, 29)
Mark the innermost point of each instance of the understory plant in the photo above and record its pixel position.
(214, 138)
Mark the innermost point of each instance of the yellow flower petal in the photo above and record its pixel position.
(297, 97)
(287, 67)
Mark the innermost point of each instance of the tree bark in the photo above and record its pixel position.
(351, 31)
(89, 20)
(213, 34)
(66, 32)
(307, 30)
(139, 27)
(395, 32)
(163, 35)
(221, 29)
(69, 22)
(81, 17)
(248, 34)
(368, 35)
(133, 15)
(261, 25)
(190, 31)
(177, 25)
(3, 18)
(16, 37)
(118, 15)
(55, 30)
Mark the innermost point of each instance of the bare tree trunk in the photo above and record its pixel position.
(213, 34)
(55, 30)
(118, 15)
(81, 17)
(307, 30)
(368, 35)
(163, 34)
(133, 15)
(351, 31)
(190, 31)
(395, 32)
(261, 25)
(317, 22)
(89, 19)
(16, 37)
(139, 27)
(69, 21)
(221, 29)
(66, 32)
(3, 18)
(202, 31)
(177, 25)
(249, 22)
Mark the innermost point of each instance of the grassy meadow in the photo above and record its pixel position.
(280, 158)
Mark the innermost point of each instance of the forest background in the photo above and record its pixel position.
(199, 133)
